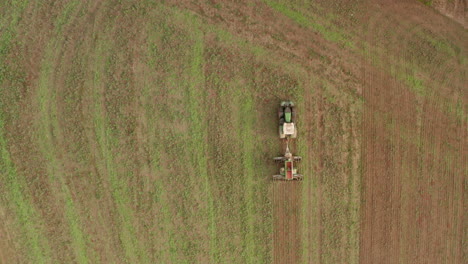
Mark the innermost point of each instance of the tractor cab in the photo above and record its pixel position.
(286, 115)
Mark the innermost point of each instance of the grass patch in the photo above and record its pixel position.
(310, 202)
(196, 94)
(108, 144)
(415, 84)
(49, 133)
(426, 2)
(65, 16)
(166, 252)
(246, 119)
(308, 22)
(34, 243)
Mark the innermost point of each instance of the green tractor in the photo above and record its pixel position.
(287, 171)
(286, 115)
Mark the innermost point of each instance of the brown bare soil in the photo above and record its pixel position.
(287, 203)
(455, 9)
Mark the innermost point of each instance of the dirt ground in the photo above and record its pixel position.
(287, 225)
(143, 132)
(453, 9)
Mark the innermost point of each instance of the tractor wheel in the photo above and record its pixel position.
(297, 158)
(280, 112)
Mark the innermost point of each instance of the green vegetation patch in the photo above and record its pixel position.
(109, 148)
(34, 243)
(308, 22)
(198, 117)
(426, 2)
(415, 84)
(33, 239)
(49, 132)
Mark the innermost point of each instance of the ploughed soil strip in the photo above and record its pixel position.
(286, 222)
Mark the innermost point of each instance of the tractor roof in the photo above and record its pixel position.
(288, 128)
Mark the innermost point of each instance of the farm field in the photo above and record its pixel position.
(144, 131)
